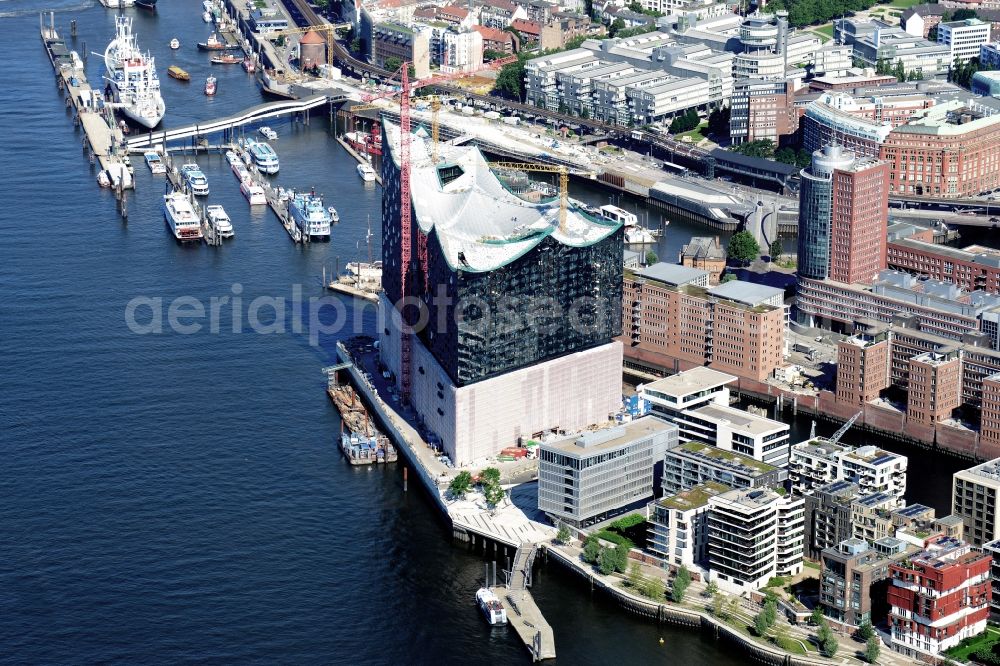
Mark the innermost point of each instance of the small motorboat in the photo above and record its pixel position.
(220, 220)
(213, 43)
(175, 43)
(176, 72)
(103, 179)
(254, 193)
(154, 162)
(249, 65)
(268, 133)
(226, 59)
(147, 4)
(206, 17)
(334, 216)
(210, 86)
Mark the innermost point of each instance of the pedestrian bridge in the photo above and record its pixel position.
(254, 114)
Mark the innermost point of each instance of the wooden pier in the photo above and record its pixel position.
(522, 612)
(104, 138)
(352, 290)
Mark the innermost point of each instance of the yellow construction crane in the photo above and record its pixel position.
(545, 168)
(328, 29)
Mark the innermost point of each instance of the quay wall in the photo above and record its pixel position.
(684, 617)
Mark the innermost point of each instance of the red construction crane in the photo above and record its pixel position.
(405, 211)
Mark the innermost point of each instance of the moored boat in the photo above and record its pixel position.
(176, 72)
(268, 133)
(253, 193)
(249, 65)
(334, 215)
(131, 77)
(154, 162)
(263, 156)
(491, 607)
(310, 216)
(175, 43)
(366, 172)
(218, 218)
(146, 4)
(206, 17)
(180, 217)
(226, 59)
(213, 43)
(195, 179)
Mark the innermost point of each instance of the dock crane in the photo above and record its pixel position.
(844, 428)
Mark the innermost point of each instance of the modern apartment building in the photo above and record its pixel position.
(753, 534)
(695, 463)
(854, 579)
(669, 397)
(950, 150)
(596, 474)
(735, 430)
(993, 550)
(938, 597)
(974, 499)
(963, 38)
(672, 322)
(482, 382)
(678, 530)
(762, 108)
(404, 43)
(817, 462)
(828, 516)
(843, 217)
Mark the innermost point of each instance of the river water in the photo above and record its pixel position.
(169, 497)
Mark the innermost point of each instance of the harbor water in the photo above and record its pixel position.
(180, 497)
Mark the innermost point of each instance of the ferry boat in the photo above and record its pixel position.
(175, 43)
(310, 216)
(213, 43)
(491, 607)
(195, 179)
(241, 172)
(616, 214)
(154, 162)
(263, 156)
(226, 59)
(210, 86)
(180, 215)
(253, 193)
(366, 172)
(176, 72)
(231, 157)
(131, 77)
(220, 220)
(268, 133)
(118, 4)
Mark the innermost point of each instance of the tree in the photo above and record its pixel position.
(866, 630)
(712, 589)
(681, 583)
(760, 624)
(816, 619)
(718, 121)
(606, 561)
(616, 26)
(719, 608)
(654, 588)
(620, 557)
(963, 14)
(494, 494)
(635, 577)
(591, 550)
(490, 476)
(460, 485)
(899, 71)
(392, 63)
(785, 155)
(776, 249)
(743, 247)
(651, 258)
(356, 45)
(491, 54)
(872, 649)
(763, 148)
(563, 535)
(510, 79)
(829, 646)
(770, 611)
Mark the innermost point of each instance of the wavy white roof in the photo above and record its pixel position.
(480, 223)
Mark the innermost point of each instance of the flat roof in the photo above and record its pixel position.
(608, 439)
(740, 421)
(695, 497)
(747, 293)
(674, 274)
(690, 381)
(729, 458)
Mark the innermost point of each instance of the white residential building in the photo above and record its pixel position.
(593, 474)
(462, 51)
(754, 534)
(817, 462)
(735, 430)
(697, 387)
(963, 38)
(678, 530)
